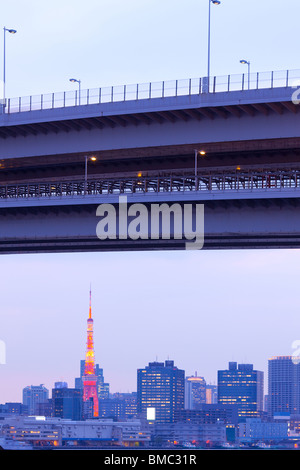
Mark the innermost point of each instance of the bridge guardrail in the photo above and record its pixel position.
(239, 181)
(162, 89)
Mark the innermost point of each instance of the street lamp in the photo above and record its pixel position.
(93, 159)
(74, 80)
(247, 62)
(11, 31)
(202, 153)
(214, 2)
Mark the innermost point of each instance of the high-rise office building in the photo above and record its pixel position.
(102, 387)
(160, 391)
(67, 403)
(283, 385)
(195, 392)
(45, 408)
(242, 386)
(33, 395)
(211, 394)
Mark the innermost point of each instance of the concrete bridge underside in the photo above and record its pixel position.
(228, 224)
(244, 130)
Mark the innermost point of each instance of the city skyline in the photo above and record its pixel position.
(104, 354)
(168, 409)
(120, 364)
(167, 341)
(201, 309)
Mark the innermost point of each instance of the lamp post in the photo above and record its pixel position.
(11, 31)
(247, 62)
(74, 80)
(93, 159)
(197, 152)
(215, 2)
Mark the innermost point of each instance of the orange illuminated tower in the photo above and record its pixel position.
(89, 378)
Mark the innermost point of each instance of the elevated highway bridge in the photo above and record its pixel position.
(235, 150)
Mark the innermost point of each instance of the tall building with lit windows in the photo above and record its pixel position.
(33, 395)
(242, 386)
(195, 392)
(283, 385)
(160, 391)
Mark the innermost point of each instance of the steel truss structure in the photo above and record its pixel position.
(204, 182)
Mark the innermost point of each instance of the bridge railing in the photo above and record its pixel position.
(209, 183)
(142, 91)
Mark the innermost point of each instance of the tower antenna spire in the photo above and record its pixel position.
(90, 307)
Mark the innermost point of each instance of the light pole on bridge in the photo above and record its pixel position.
(215, 2)
(74, 80)
(87, 158)
(202, 153)
(11, 31)
(247, 62)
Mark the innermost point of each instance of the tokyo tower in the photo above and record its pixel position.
(89, 378)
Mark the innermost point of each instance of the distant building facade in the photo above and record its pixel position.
(119, 406)
(197, 434)
(254, 429)
(67, 403)
(242, 386)
(211, 394)
(160, 391)
(33, 395)
(195, 392)
(13, 408)
(209, 414)
(283, 385)
(65, 432)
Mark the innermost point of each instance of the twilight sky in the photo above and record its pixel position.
(200, 308)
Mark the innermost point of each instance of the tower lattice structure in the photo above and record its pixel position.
(89, 378)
